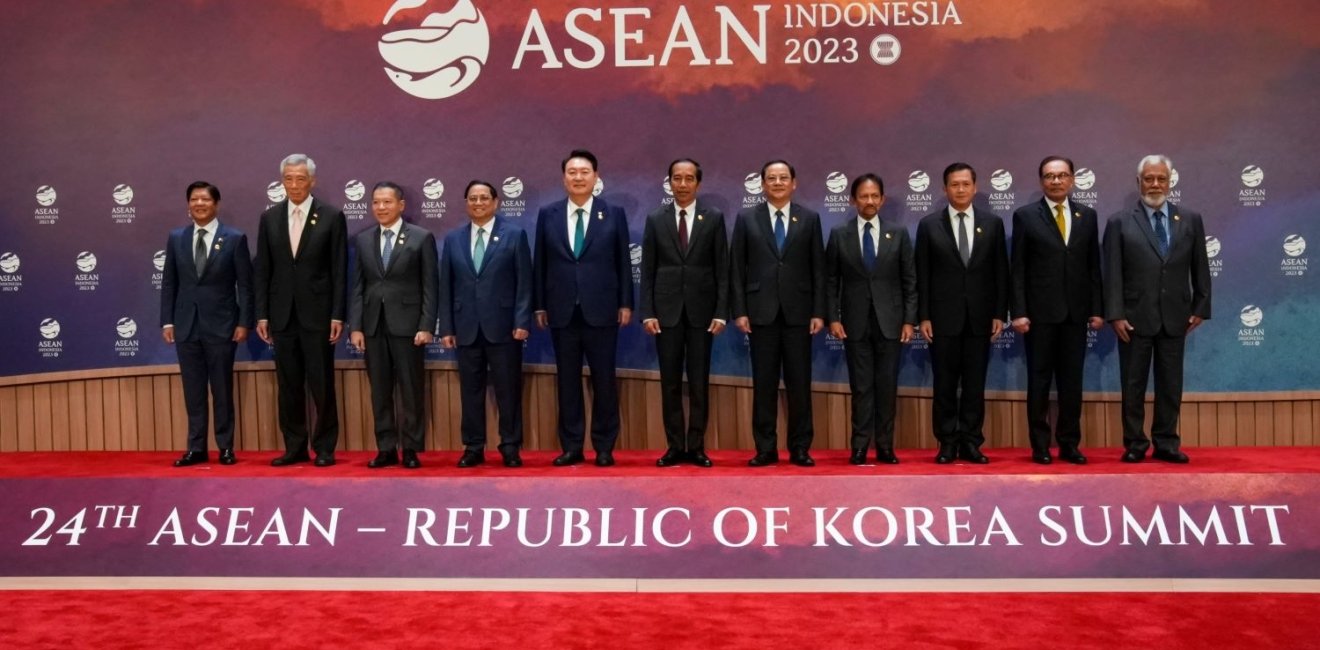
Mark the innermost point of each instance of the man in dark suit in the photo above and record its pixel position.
(871, 293)
(684, 304)
(777, 296)
(205, 311)
(1157, 290)
(582, 290)
(486, 311)
(1056, 294)
(302, 267)
(391, 318)
(962, 285)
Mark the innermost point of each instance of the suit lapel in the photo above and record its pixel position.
(951, 240)
(1047, 218)
(852, 246)
(669, 224)
(1143, 223)
(564, 228)
(763, 220)
(1175, 226)
(595, 219)
(793, 224)
(979, 241)
(492, 245)
(312, 217)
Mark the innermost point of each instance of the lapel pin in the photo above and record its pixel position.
(1176, 217)
(1077, 215)
(794, 219)
(889, 235)
(495, 238)
(217, 247)
(700, 217)
(978, 231)
(600, 216)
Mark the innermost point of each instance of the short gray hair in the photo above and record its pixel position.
(293, 160)
(1153, 159)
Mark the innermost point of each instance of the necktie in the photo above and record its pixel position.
(868, 247)
(1161, 233)
(579, 234)
(199, 252)
(1061, 222)
(964, 247)
(295, 229)
(388, 236)
(780, 231)
(479, 251)
(682, 230)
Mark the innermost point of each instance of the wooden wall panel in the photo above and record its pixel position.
(9, 418)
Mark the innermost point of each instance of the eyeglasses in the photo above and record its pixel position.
(1155, 180)
(1050, 178)
(479, 199)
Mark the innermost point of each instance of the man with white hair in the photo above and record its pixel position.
(1157, 290)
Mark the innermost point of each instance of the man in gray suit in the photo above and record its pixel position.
(871, 303)
(392, 316)
(1157, 290)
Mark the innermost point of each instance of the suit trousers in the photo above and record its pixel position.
(497, 365)
(207, 364)
(1134, 366)
(599, 346)
(304, 363)
(873, 377)
(959, 363)
(1055, 355)
(685, 345)
(394, 362)
(778, 346)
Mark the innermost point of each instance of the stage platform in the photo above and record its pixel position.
(1231, 514)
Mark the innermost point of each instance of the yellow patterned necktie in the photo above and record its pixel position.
(1059, 221)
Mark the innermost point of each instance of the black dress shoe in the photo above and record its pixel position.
(700, 459)
(1041, 457)
(324, 460)
(384, 459)
(1072, 456)
(604, 459)
(227, 457)
(971, 454)
(947, 454)
(290, 458)
(512, 460)
(1174, 456)
(410, 459)
(471, 458)
(670, 458)
(1131, 456)
(568, 458)
(858, 457)
(191, 458)
(886, 456)
(801, 458)
(763, 458)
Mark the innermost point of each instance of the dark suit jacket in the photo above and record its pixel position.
(212, 305)
(495, 301)
(695, 280)
(1149, 291)
(1053, 282)
(763, 281)
(404, 294)
(951, 294)
(889, 290)
(600, 281)
(312, 282)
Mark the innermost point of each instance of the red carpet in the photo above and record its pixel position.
(642, 463)
(210, 619)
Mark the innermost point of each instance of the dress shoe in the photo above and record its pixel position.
(191, 458)
(1174, 456)
(1131, 456)
(947, 454)
(604, 459)
(324, 460)
(512, 459)
(227, 457)
(1072, 456)
(700, 459)
(471, 458)
(801, 458)
(384, 459)
(886, 456)
(763, 458)
(410, 459)
(971, 454)
(290, 458)
(568, 458)
(670, 458)
(858, 457)
(1041, 457)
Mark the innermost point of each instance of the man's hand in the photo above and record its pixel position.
(652, 326)
(1096, 322)
(422, 338)
(625, 316)
(996, 328)
(716, 326)
(357, 341)
(1194, 322)
(518, 334)
(168, 334)
(743, 324)
(542, 320)
(906, 335)
(336, 329)
(836, 330)
(449, 341)
(1022, 325)
(263, 331)
(927, 332)
(240, 334)
(817, 324)
(1121, 328)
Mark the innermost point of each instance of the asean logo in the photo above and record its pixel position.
(1001, 180)
(918, 181)
(441, 57)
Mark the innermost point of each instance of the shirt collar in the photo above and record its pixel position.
(691, 207)
(306, 206)
(970, 212)
(1051, 204)
(586, 207)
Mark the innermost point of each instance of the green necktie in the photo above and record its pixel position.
(579, 234)
(479, 251)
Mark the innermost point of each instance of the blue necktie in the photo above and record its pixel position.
(579, 235)
(389, 248)
(479, 251)
(780, 231)
(1161, 233)
(868, 248)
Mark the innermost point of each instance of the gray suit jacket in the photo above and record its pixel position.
(405, 294)
(1156, 293)
(889, 290)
